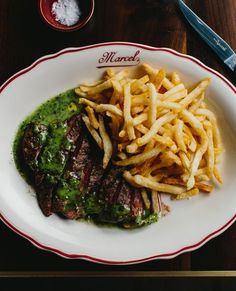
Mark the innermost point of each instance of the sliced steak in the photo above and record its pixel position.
(84, 166)
(137, 205)
(95, 178)
(36, 148)
(123, 203)
(32, 143)
(44, 194)
(78, 159)
(110, 185)
(92, 174)
(74, 128)
(71, 179)
(124, 195)
(73, 182)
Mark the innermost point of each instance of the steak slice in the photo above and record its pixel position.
(44, 196)
(69, 187)
(33, 146)
(32, 143)
(136, 204)
(95, 178)
(78, 159)
(74, 128)
(82, 176)
(92, 174)
(110, 184)
(123, 202)
(124, 195)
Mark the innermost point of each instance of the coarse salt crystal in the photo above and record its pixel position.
(66, 12)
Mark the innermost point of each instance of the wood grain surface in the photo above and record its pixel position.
(24, 37)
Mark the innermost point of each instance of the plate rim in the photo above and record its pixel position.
(92, 258)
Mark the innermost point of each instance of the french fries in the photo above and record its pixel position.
(163, 132)
(127, 111)
(175, 78)
(92, 118)
(155, 201)
(154, 128)
(140, 158)
(92, 131)
(145, 182)
(152, 112)
(107, 145)
(101, 107)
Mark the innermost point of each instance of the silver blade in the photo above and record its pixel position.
(221, 48)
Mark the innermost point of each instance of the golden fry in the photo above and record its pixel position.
(153, 72)
(152, 112)
(159, 78)
(179, 137)
(197, 103)
(166, 188)
(101, 107)
(91, 115)
(107, 145)
(161, 139)
(201, 186)
(187, 194)
(169, 105)
(193, 144)
(139, 119)
(115, 123)
(127, 112)
(210, 152)
(175, 79)
(195, 92)
(100, 87)
(174, 90)
(216, 133)
(122, 156)
(146, 200)
(130, 179)
(140, 158)
(217, 175)
(155, 127)
(155, 202)
(137, 109)
(93, 132)
(132, 148)
(177, 96)
(184, 160)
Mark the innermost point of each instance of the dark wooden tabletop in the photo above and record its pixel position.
(24, 37)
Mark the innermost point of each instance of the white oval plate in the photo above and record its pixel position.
(190, 224)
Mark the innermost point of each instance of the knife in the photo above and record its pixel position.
(220, 47)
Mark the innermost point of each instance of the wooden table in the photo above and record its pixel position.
(24, 37)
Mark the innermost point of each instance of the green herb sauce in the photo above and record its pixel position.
(53, 111)
(53, 114)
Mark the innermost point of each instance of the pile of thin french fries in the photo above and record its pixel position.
(163, 133)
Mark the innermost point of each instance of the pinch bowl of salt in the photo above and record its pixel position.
(66, 15)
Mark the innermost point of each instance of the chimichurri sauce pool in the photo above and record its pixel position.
(49, 126)
(54, 110)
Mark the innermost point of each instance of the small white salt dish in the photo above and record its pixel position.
(66, 15)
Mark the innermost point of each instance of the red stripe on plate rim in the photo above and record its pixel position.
(110, 262)
(87, 257)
